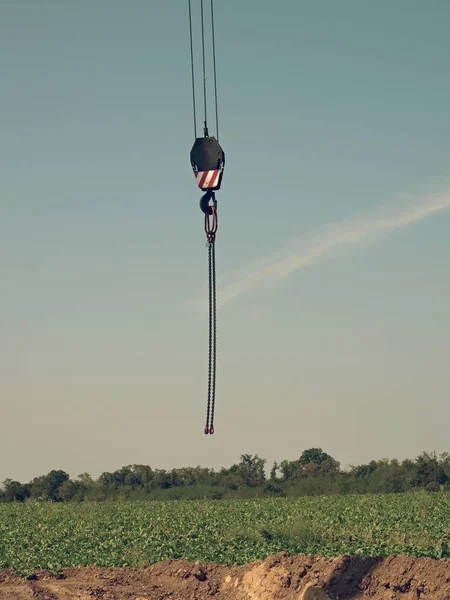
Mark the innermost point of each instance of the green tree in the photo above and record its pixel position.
(53, 482)
(145, 475)
(289, 469)
(273, 471)
(250, 470)
(313, 455)
(14, 491)
(68, 490)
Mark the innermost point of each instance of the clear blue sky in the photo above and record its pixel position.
(327, 111)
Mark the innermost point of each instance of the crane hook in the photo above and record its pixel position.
(205, 206)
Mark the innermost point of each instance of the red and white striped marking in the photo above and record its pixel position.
(207, 179)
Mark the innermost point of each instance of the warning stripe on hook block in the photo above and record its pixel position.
(207, 179)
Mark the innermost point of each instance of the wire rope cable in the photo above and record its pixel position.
(192, 70)
(204, 64)
(215, 69)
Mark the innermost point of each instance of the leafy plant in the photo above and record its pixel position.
(43, 536)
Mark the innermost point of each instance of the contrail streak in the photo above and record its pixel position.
(333, 239)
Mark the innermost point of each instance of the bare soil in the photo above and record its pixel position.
(279, 577)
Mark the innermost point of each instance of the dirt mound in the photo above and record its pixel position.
(279, 577)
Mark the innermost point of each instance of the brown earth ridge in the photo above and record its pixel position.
(279, 577)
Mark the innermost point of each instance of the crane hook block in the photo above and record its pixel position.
(208, 161)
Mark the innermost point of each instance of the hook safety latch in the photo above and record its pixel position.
(211, 221)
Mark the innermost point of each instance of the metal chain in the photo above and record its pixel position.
(210, 246)
(213, 391)
(210, 230)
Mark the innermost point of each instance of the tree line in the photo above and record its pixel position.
(314, 473)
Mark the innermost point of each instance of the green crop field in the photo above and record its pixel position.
(48, 536)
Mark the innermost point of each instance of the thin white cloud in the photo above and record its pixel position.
(329, 242)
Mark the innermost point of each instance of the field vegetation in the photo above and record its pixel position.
(49, 536)
(138, 515)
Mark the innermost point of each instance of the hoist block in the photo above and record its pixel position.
(208, 161)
